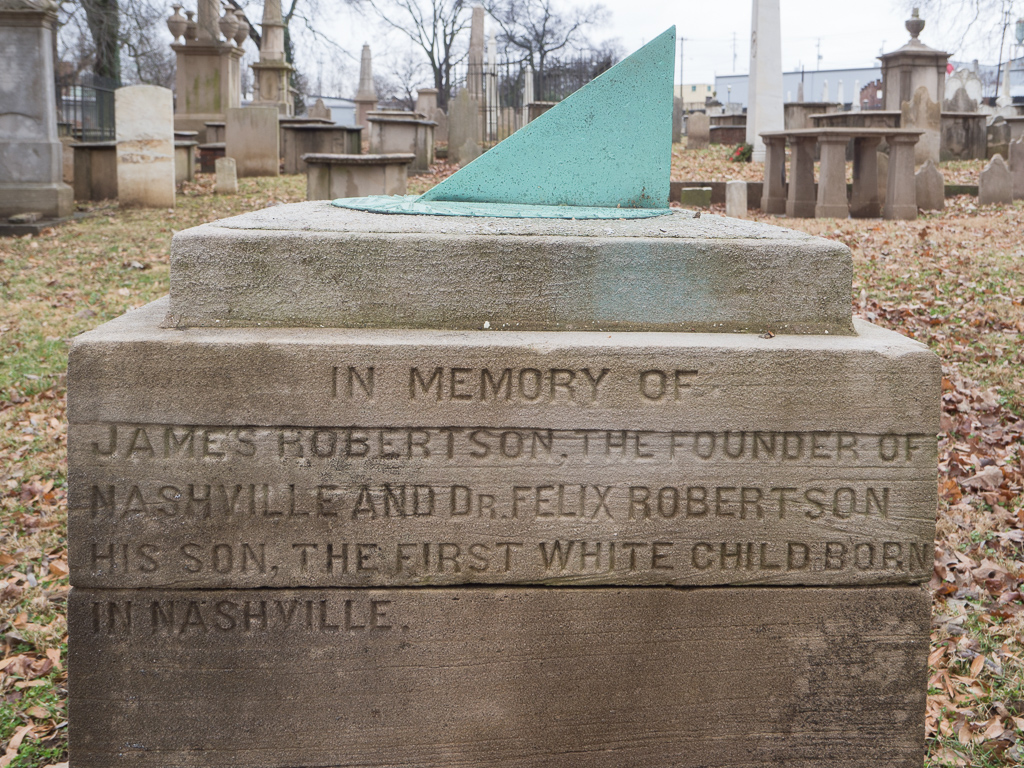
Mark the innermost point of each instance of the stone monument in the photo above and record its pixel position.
(227, 176)
(145, 146)
(208, 78)
(272, 74)
(923, 114)
(366, 96)
(325, 511)
(31, 155)
(1017, 167)
(931, 188)
(765, 110)
(913, 66)
(698, 131)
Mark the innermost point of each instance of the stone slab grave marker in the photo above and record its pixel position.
(252, 138)
(995, 185)
(145, 146)
(325, 511)
(227, 176)
(698, 131)
(931, 188)
(736, 199)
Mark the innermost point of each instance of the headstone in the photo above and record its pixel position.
(1017, 167)
(145, 146)
(441, 131)
(464, 128)
(931, 188)
(923, 114)
(227, 176)
(698, 131)
(677, 121)
(998, 136)
(252, 138)
(764, 98)
(695, 197)
(736, 199)
(31, 154)
(995, 186)
(960, 102)
(324, 510)
(319, 110)
(883, 177)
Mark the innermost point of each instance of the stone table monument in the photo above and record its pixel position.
(31, 155)
(528, 471)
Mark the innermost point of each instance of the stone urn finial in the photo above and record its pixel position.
(243, 29)
(191, 27)
(177, 23)
(228, 24)
(915, 24)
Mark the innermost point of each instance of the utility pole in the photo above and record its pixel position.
(819, 54)
(734, 53)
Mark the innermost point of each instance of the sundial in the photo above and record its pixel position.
(604, 152)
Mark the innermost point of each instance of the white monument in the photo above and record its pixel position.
(764, 111)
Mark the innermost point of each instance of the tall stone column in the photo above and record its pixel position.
(475, 71)
(764, 99)
(31, 167)
(272, 73)
(366, 96)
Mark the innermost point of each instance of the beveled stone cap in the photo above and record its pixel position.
(314, 265)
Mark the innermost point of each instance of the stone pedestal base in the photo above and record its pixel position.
(54, 200)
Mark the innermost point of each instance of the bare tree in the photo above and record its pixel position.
(433, 26)
(539, 30)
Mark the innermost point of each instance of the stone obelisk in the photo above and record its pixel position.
(764, 99)
(475, 71)
(31, 174)
(272, 72)
(366, 96)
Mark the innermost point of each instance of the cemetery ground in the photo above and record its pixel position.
(952, 280)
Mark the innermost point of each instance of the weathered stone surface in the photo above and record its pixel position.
(1017, 167)
(924, 114)
(695, 197)
(95, 171)
(145, 146)
(736, 199)
(698, 131)
(931, 188)
(649, 442)
(602, 678)
(31, 155)
(251, 138)
(311, 264)
(227, 176)
(995, 185)
(330, 176)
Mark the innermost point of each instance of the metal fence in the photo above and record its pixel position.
(511, 93)
(85, 107)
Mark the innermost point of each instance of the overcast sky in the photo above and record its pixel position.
(851, 34)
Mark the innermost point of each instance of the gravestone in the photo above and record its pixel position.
(677, 121)
(698, 131)
(998, 136)
(227, 176)
(325, 511)
(931, 188)
(924, 114)
(31, 155)
(464, 128)
(736, 199)
(319, 110)
(995, 187)
(960, 102)
(252, 138)
(145, 146)
(1017, 167)
(765, 107)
